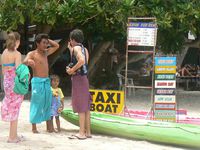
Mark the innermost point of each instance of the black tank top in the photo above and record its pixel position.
(83, 70)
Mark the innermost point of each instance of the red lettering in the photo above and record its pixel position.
(161, 84)
(170, 84)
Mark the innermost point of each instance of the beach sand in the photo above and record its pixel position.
(60, 141)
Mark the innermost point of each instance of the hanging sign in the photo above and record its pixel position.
(142, 34)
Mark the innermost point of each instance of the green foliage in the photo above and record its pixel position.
(11, 14)
(174, 18)
(45, 13)
(106, 19)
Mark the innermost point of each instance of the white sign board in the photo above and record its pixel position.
(142, 34)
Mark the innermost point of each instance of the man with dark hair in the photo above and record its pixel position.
(41, 96)
(80, 85)
(39, 38)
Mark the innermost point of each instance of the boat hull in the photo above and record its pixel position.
(184, 135)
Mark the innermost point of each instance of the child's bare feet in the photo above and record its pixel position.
(58, 129)
(52, 130)
(35, 131)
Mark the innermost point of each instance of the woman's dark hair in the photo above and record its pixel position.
(77, 35)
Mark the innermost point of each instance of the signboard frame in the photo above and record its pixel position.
(150, 49)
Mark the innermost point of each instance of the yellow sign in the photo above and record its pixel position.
(165, 69)
(107, 101)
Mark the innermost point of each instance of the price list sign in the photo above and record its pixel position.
(164, 90)
(141, 34)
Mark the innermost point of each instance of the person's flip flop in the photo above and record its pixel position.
(13, 141)
(77, 137)
(72, 137)
(89, 136)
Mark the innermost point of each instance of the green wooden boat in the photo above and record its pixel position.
(184, 135)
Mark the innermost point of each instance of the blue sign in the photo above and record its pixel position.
(165, 61)
(142, 25)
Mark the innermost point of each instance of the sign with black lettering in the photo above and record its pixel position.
(165, 77)
(164, 91)
(107, 101)
(141, 33)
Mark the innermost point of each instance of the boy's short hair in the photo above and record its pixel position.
(41, 36)
(77, 35)
(54, 76)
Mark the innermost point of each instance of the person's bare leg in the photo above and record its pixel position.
(82, 125)
(13, 132)
(183, 71)
(49, 125)
(58, 123)
(87, 124)
(52, 126)
(34, 128)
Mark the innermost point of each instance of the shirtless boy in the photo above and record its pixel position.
(41, 95)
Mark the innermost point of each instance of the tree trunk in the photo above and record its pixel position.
(98, 52)
(180, 57)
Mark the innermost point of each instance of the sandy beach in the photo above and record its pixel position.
(59, 141)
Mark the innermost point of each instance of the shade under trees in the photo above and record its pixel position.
(104, 23)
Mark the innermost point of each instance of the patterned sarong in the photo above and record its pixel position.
(55, 105)
(81, 98)
(41, 97)
(12, 102)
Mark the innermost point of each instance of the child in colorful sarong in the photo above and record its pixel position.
(41, 95)
(10, 59)
(57, 104)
